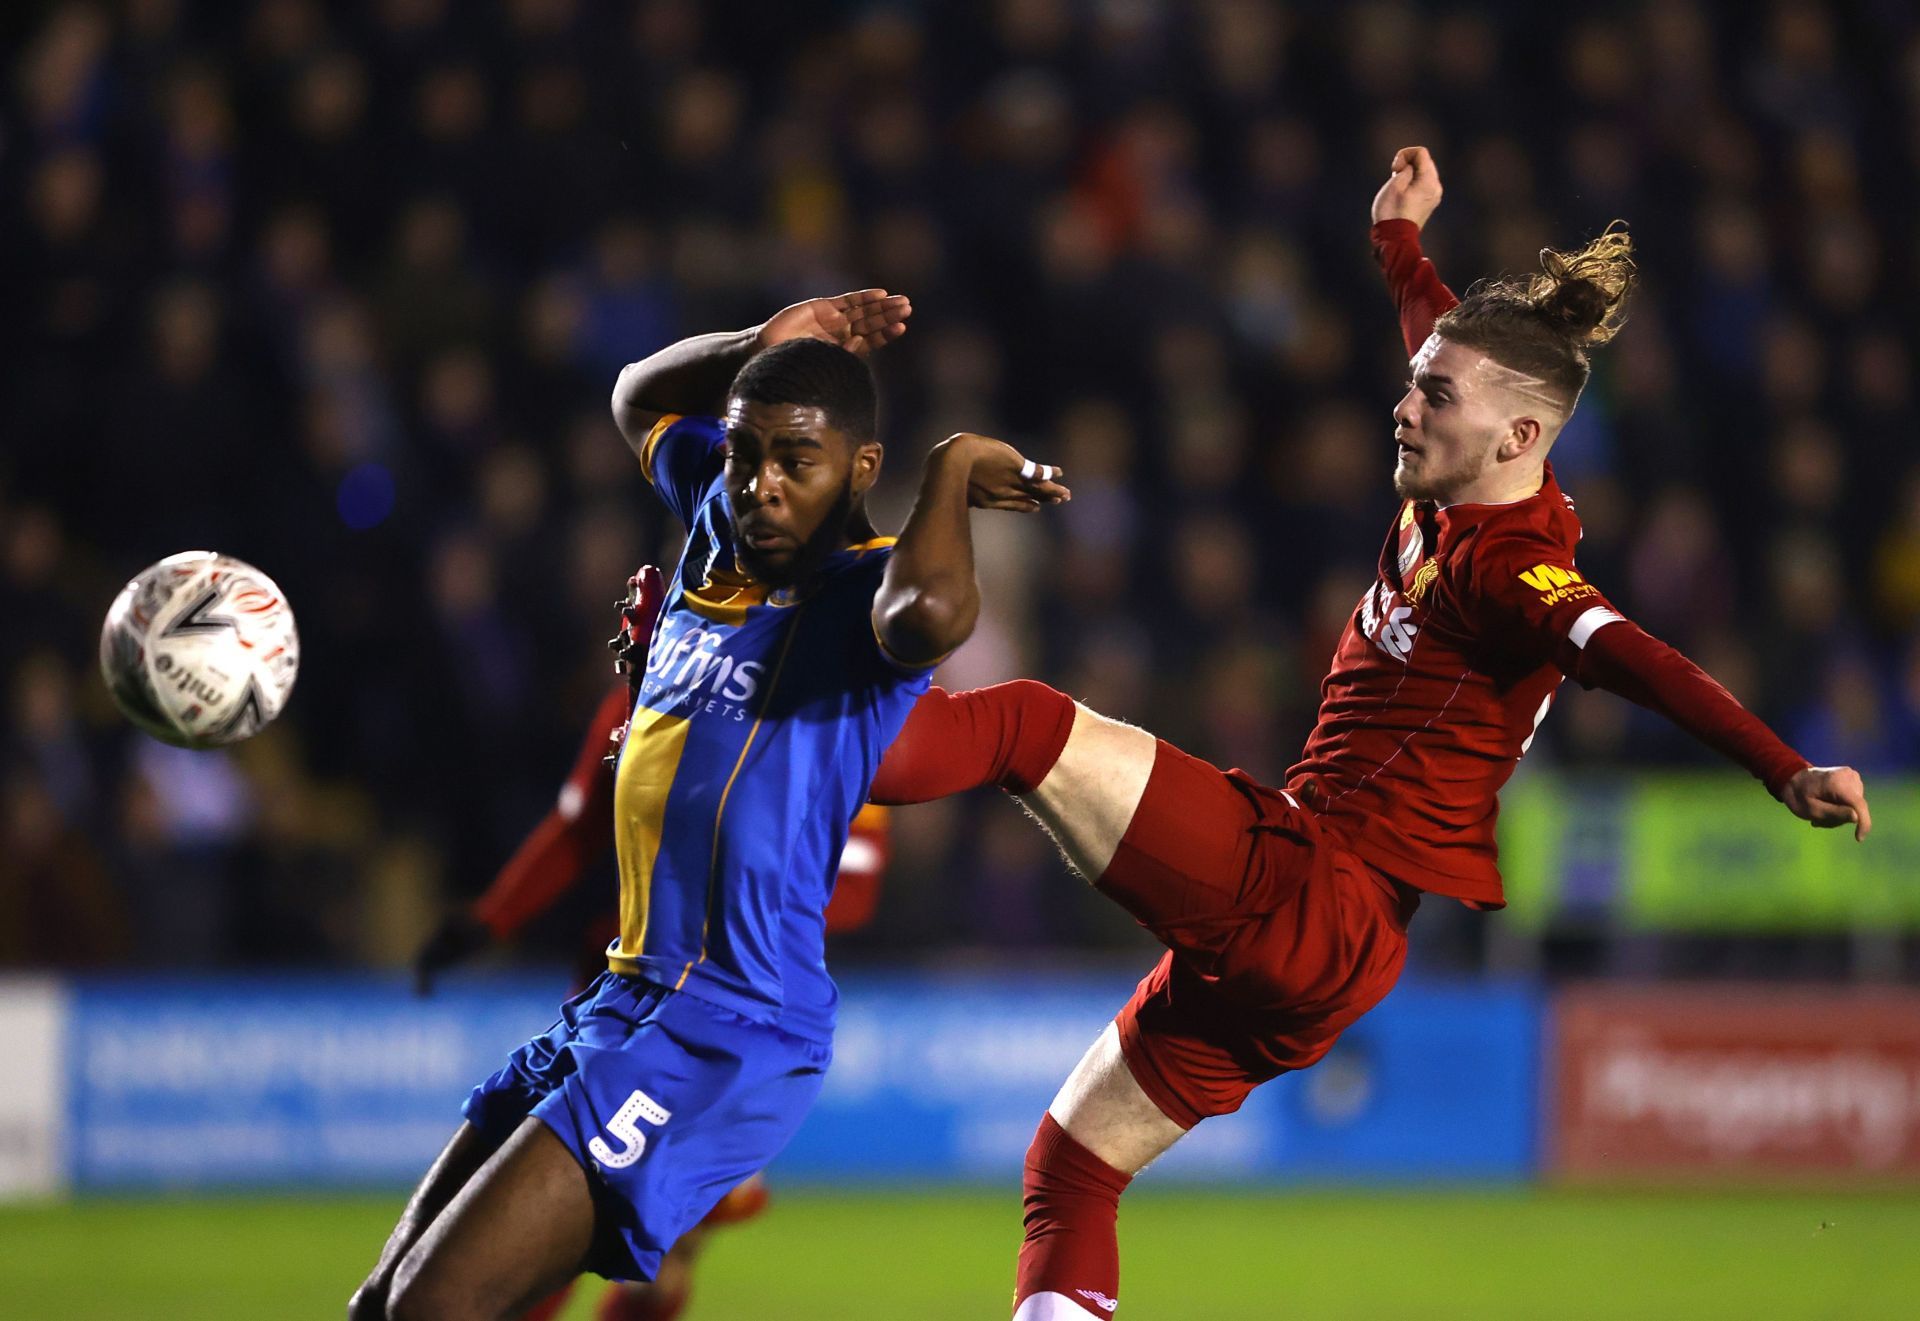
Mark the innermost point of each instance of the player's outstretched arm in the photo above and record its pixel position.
(1623, 658)
(928, 600)
(1401, 209)
(692, 376)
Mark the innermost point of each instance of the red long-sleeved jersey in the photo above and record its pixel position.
(1452, 658)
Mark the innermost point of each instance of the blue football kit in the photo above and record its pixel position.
(754, 739)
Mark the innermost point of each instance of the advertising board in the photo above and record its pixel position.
(1695, 1083)
(345, 1081)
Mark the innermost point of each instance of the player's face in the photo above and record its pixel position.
(1449, 424)
(792, 478)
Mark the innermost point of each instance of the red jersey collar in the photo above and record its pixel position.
(1451, 518)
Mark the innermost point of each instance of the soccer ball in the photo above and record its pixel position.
(200, 650)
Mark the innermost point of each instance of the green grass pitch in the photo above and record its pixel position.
(1346, 1256)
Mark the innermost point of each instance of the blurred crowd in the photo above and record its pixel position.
(342, 288)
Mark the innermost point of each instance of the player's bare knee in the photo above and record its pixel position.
(1103, 1108)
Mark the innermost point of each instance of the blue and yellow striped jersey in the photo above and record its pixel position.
(753, 743)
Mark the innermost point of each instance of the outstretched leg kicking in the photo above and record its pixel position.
(1101, 1128)
(1276, 941)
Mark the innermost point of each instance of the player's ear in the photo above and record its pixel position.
(1522, 437)
(866, 465)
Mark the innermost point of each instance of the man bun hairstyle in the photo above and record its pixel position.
(813, 374)
(1542, 325)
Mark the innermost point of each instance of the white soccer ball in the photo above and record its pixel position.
(200, 650)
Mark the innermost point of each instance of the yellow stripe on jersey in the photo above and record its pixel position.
(653, 439)
(655, 742)
(713, 866)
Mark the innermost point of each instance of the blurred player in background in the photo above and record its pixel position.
(1285, 911)
(551, 861)
(558, 851)
(791, 645)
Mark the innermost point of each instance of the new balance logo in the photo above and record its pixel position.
(1548, 577)
(1098, 1299)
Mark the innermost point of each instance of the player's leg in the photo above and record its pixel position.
(1105, 1110)
(520, 1227)
(1008, 735)
(1100, 1131)
(1081, 772)
(457, 1162)
(1178, 1052)
(1085, 776)
(1093, 791)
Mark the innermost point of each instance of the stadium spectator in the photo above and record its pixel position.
(332, 289)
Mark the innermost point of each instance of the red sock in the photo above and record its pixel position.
(1072, 1246)
(1010, 734)
(550, 1306)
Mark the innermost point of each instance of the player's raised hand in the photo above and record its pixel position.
(1829, 796)
(1411, 191)
(1000, 477)
(859, 322)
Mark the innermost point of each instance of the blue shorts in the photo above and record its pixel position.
(666, 1101)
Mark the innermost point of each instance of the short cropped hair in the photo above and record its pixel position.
(813, 374)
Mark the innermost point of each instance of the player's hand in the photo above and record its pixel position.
(999, 476)
(1411, 191)
(1829, 796)
(859, 322)
(458, 938)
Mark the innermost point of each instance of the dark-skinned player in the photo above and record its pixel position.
(556, 854)
(791, 646)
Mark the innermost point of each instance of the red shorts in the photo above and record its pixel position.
(1278, 936)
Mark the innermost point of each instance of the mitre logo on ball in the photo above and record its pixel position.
(200, 650)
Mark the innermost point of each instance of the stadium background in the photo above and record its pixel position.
(341, 289)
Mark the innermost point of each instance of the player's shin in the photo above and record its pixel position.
(1010, 734)
(1070, 1258)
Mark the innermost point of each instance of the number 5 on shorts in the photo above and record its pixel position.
(622, 1126)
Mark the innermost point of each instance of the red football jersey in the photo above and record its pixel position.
(1442, 676)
